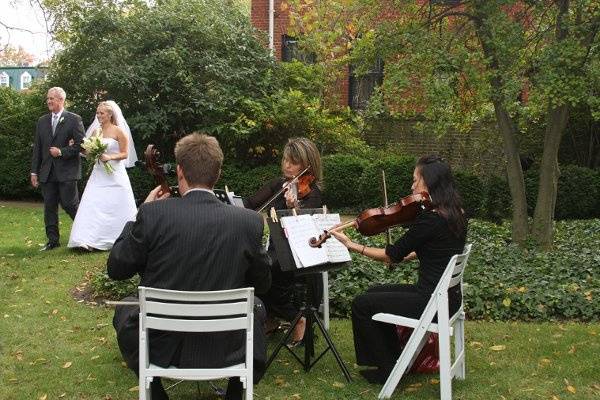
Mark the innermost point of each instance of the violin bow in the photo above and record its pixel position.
(284, 187)
(388, 236)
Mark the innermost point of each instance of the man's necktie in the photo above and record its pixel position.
(54, 121)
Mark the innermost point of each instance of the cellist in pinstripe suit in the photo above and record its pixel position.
(195, 242)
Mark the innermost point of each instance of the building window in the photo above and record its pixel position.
(362, 87)
(4, 80)
(290, 51)
(25, 80)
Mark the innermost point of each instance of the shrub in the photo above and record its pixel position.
(577, 196)
(503, 281)
(340, 173)
(469, 187)
(398, 172)
(18, 119)
(105, 287)
(497, 203)
(246, 181)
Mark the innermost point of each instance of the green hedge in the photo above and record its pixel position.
(502, 281)
(19, 114)
(578, 194)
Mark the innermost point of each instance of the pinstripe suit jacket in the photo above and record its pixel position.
(193, 243)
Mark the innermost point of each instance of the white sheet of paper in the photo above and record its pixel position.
(300, 229)
(336, 251)
(294, 253)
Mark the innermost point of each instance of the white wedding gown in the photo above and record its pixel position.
(106, 205)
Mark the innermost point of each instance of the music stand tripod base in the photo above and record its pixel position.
(312, 317)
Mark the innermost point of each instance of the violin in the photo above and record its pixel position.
(377, 220)
(152, 156)
(301, 181)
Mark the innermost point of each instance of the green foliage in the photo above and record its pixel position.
(174, 68)
(497, 202)
(577, 196)
(398, 173)
(18, 119)
(469, 187)
(339, 173)
(107, 288)
(503, 281)
(245, 181)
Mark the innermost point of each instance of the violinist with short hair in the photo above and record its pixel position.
(298, 154)
(434, 237)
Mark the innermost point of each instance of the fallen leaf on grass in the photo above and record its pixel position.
(572, 350)
(498, 347)
(67, 364)
(338, 385)
(95, 357)
(62, 395)
(555, 398)
(571, 389)
(134, 389)
(44, 397)
(296, 396)
(434, 381)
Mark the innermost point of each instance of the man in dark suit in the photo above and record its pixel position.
(192, 243)
(55, 164)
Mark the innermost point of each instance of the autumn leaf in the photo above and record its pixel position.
(571, 389)
(434, 381)
(67, 364)
(44, 397)
(338, 385)
(506, 302)
(498, 347)
(134, 389)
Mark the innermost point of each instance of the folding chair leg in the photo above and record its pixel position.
(459, 347)
(249, 392)
(445, 370)
(144, 387)
(403, 363)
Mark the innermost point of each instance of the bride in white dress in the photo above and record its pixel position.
(107, 202)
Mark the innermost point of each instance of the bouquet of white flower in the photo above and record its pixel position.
(94, 148)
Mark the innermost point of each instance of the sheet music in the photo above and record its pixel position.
(299, 230)
(336, 251)
(235, 200)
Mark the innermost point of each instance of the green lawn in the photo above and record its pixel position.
(54, 347)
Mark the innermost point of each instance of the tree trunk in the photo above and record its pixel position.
(548, 186)
(514, 171)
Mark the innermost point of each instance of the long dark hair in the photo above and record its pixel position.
(445, 198)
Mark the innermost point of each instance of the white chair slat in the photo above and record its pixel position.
(199, 310)
(177, 295)
(202, 325)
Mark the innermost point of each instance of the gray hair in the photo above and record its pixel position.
(60, 91)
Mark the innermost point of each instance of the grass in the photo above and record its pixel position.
(54, 347)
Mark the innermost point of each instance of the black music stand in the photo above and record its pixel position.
(307, 310)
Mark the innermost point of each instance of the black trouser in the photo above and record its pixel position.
(376, 343)
(126, 325)
(54, 192)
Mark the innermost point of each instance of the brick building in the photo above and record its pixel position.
(351, 91)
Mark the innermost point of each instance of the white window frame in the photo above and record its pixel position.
(4, 79)
(26, 79)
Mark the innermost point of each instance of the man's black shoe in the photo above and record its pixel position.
(50, 246)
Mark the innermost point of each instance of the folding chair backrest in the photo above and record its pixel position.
(459, 267)
(213, 311)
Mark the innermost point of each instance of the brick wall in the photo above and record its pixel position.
(259, 15)
(479, 150)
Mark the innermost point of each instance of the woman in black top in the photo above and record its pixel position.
(298, 154)
(434, 237)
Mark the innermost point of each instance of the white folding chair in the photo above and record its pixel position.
(445, 327)
(220, 311)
